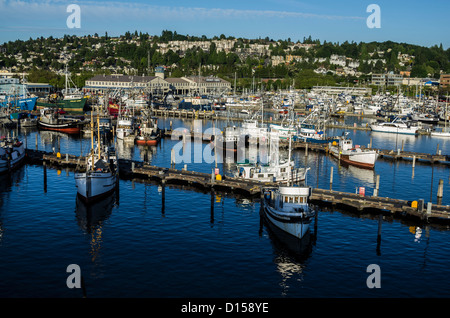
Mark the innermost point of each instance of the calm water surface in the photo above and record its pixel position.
(195, 244)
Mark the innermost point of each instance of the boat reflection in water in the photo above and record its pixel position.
(367, 176)
(91, 218)
(291, 254)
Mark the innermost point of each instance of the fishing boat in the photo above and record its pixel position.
(100, 175)
(25, 119)
(354, 155)
(12, 154)
(147, 131)
(282, 172)
(13, 93)
(274, 170)
(397, 126)
(51, 119)
(288, 209)
(284, 130)
(71, 99)
(308, 133)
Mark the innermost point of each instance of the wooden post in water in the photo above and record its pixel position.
(331, 178)
(36, 141)
(377, 186)
(440, 191)
(211, 219)
(45, 177)
(306, 149)
(380, 220)
(437, 149)
(172, 158)
(163, 192)
(403, 143)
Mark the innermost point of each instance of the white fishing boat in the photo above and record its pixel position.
(354, 155)
(12, 154)
(100, 176)
(272, 170)
(288, 209)
(283, 172)
(397, 126)
(125, 127)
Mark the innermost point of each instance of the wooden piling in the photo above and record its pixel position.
(440, 191)
(331, 178)
(45, 177)
(377, 186)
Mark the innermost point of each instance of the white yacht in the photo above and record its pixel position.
(397, 126)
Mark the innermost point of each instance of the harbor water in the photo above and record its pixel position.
(145, 241)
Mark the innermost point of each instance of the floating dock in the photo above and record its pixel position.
(130, 169)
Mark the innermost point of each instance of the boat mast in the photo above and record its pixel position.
(98, 134)
(92, 137)
(289, 159)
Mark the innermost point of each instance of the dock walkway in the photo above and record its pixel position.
(130, 169)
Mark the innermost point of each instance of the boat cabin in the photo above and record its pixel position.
(289, 199)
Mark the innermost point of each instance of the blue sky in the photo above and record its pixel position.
(416, 22)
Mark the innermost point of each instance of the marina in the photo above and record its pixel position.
(142, 220)
(168, 182)
(401, 199)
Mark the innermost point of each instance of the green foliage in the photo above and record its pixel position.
(92, 54)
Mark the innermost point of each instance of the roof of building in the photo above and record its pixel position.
(122, 78)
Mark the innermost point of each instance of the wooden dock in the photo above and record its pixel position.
(137, 170)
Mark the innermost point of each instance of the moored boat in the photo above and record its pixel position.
(397, 126)
(288, 209)
(50, 119)
(354, 155)
(100, 176)
(12, 154)
(148, 132)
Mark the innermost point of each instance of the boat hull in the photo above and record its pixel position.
(66, 128)
(70, 105)
(363, 159)
(147, 142)
(92, 186)
(394, 130)
(441, 134)
(15, 160)
(295, 226)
